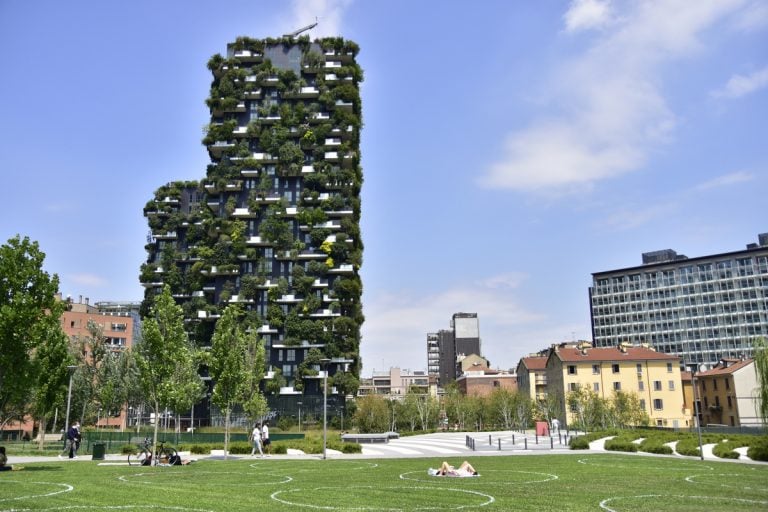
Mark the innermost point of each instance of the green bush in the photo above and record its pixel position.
(128, 449)
(620, 445)
(688, 446)
(579, 443)
(726, 449)
(759, 450)
(655, 446)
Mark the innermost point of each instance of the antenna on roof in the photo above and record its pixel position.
(303, 29)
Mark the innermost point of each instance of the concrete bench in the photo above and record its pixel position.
(365, 438)
(49, 438)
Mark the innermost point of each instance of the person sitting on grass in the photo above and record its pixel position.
(446, 469)
(4, 466)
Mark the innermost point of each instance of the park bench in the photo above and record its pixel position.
(50, 438)
(366, 438)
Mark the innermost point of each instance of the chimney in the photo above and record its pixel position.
(80, 299)
(86, 301)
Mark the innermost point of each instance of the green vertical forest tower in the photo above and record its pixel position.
(275, 223)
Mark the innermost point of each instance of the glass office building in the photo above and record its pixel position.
(702, 309)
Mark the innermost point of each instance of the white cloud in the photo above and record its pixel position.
(741, 85)
(587, 14)
(626, 219)
(726, 180)
(87, 280)
(753, 17)
(609, 109)
(396, 326)
(327, 13)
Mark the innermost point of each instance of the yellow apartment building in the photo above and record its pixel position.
(532, 376)
(653, 376)
(728, 394)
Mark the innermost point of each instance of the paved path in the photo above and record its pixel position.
(444, 445)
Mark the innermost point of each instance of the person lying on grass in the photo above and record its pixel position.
(446, 469)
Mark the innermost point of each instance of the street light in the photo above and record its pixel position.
(71, 369)
(299, 404)
(324, 362)
(697, 407)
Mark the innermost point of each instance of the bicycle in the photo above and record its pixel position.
(165, 455)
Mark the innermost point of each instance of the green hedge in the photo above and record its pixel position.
(579, 443)
(619, 444)
(758, 450)
(653, 445)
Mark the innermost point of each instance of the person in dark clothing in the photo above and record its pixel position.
(73, 439)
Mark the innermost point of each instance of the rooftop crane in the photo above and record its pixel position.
(304, 29)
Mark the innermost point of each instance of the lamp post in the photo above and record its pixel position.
(324, 362)
(299, 404)
(697, 407)
(71, 369)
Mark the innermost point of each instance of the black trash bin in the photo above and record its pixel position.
(99, 449)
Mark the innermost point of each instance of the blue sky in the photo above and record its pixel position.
(510, 148)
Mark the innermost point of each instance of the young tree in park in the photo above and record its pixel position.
(549, 407)
(165, 359)
(760, 346)
(227, 365)
(254, 402)
(372, 414)
(503, 403)
(27, 299)
(523, 407)
(51, 361)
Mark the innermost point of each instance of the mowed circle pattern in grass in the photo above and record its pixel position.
(618, 483)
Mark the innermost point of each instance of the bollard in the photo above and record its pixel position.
(552, 443)
(526, 443)
(537, 438)
(490, 441)
(559, 438)
(513, 438)
(499, 444)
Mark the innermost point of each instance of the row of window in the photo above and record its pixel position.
(657, 386)
(615, 368)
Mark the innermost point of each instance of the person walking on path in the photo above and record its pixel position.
(70, 447)
(265, 436)
(256, 441)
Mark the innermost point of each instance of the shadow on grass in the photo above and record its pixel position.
(39, 468)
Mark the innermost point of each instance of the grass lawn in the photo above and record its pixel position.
(538, 482)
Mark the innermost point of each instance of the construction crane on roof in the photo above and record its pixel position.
(304, 29)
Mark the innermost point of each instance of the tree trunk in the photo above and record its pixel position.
(41, 432)
(226, 432)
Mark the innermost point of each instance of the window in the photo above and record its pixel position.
(290, 355)
(280, 355)
(727, 383)
(571, 369)
(669, 367)
(671, 385)
(573, 386)
(595, 369)
(640, 385)
(730, 403)
(642, 404)
(714, 384)
(617, 386)
(639, 368)
(615, 368)
(657, 385)
(596, 387)
(658, 404)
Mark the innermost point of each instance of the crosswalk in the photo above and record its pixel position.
(455, 443)
(424, 445)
